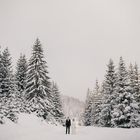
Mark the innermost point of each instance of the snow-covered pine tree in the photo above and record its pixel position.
(7, 74)
(8, 89)
(20, 77)
(122, 109)
(57, 104)
(88, 108)
(131, 79)
(135, 91)
(136, 85)
(97, 98)
(38, 92)
(21, 73)
(109, 95)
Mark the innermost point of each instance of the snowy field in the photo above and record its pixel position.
(31, 128)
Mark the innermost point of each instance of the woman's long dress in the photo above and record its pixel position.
(73, 127)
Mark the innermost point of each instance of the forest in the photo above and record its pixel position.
(29, 89)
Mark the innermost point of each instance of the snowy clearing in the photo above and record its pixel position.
(31, 128)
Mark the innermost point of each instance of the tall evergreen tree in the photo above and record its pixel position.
(135, 91)
(97, 98)
(57, 107)
(88, 108)
(136, 84)
(20, 78)
(8, 90)
(109, 95)
(21, 73)
(131, 77)
(7, 74)
(38, 90)
(122, 109)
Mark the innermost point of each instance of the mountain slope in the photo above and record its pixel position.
(72, 107)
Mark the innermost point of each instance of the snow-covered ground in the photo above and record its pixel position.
(31, 128)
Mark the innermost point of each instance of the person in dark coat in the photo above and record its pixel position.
(68, 124)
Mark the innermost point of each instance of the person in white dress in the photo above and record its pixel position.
(73, 126)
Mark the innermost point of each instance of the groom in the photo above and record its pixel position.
(68, 124)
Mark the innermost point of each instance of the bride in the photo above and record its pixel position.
(73, 126)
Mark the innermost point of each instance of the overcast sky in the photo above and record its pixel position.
(78, 36)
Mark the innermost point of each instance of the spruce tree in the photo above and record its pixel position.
(88, 108)
(108, 95)
(8, 90)
(38, 92)
(21, 73)
(7, 81)
(97, 97)
(57, 107)
(20, 77)
(122, 109)
(136, 84)
(135, 91)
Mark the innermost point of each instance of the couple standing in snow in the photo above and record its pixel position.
(70, 125)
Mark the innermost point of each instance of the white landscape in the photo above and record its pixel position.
(32, 128)
(69, 64)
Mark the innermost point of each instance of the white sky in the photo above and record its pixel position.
(79, 36)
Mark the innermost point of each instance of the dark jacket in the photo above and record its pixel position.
(68, 123)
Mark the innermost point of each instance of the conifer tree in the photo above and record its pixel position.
(135, 91)
(108, 95)
(136, 85)
(97, 97)
(131, 77)
(20, 78)
(21, 73)
(8, 90)
(38, 92)
(88, 108)
(6, 84)
(122, 109)
(57, 107)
